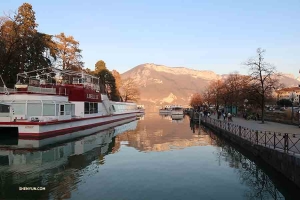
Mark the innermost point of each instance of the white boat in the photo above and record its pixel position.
(166, 110)
(38, 108)
(177, 110)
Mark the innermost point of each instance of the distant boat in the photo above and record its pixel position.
(177, 110)
(166, 110)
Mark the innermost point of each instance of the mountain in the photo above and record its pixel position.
(161, 85)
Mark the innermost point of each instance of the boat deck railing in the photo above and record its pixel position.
(33, 89)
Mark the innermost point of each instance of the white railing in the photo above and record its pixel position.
(2, 89)
(41, 90)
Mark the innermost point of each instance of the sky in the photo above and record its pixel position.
(215, 35)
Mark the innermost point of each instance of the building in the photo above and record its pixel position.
(289, 93)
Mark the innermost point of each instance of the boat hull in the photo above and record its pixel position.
(164, 111)
(177, 113)
(42, 130)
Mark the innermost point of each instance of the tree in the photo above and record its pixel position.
(129, 90)
(118, 78)
(69, 55)
(236, 85)
(23, 48)
(196, 100)
(99, 66)
(263, 78)
(118, 81)
(108, 80)
(285, 102)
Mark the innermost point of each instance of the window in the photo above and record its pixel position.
(34, 109)
(90, 108)
(86, 108)
(49, 110)
(4, 108)
(19, 108)
(62, 109)
(68, 109)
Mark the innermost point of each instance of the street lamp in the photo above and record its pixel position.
(293, 98)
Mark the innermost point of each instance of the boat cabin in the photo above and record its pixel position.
(51, 94)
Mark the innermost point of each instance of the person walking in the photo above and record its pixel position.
(224, 116)
(229, 116)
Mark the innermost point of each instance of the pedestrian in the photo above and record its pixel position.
(229, 116)
(219, 114)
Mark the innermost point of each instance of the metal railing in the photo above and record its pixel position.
(41, 90)
(33, 89)
(288, 142)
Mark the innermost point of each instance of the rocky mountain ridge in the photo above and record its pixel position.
(161, 85)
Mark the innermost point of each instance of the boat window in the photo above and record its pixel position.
(4, 108)
(113, 107)
(90, 108)
(95, 107)
(62, 109)
(86, 108)
(49, 110)
(19, 108)
(68, 109)
(34, 109)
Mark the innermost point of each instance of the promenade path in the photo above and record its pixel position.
(267, 126)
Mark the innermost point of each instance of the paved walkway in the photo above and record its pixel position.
(267, 126)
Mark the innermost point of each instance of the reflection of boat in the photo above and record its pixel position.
(165, 110)
(177, 110)
(22, 161)
(177, 117)
(32, 144)
(50, 102)
(141, 109)
(140, 116)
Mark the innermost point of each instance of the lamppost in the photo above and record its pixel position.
(293, 98)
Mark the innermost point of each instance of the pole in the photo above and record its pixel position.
(293, 106)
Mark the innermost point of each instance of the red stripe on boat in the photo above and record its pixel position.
(48, 134)
(61, 121)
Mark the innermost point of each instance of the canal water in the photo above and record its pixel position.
(153, 157)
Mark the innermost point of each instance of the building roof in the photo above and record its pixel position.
(290, 89)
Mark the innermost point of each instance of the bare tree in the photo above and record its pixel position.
(264, 78)
(196, 100)
(212, 93)
(129, 90)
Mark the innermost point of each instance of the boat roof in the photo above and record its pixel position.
(52, 70)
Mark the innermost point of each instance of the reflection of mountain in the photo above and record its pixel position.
(158, 133)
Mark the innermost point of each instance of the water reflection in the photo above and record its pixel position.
(153, 158)
(56, 168)
(155, 134)
(253, 173)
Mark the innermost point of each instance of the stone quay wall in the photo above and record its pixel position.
(278, 150)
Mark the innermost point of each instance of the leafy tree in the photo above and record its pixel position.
(285, 102)
(108, 80)
(69, 55)
(118, 80)
(99, 66)
(23, 48)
